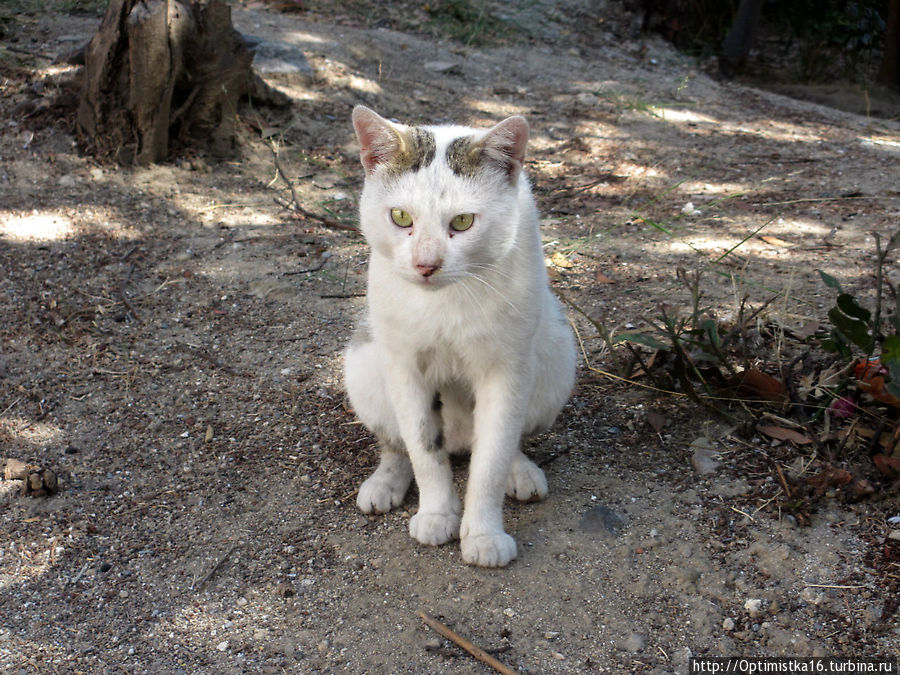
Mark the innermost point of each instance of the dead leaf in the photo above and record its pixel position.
(830, 476)
(889, 466)
(759, 384)
(601, 278)
(784, 434)
(657, 421)
(559, 259)
(870, 379)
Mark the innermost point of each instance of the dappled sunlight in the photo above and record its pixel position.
(886, 144)
(304, 37)
(633, 170)
(23, 430)
(701, 123)
(682, 116)
(765, 241)
(498, 108)
(696, 187)
(772, 130)
(36, 227)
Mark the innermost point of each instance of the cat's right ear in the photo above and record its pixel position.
(379, 139)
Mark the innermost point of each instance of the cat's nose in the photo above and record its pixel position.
(427, 269)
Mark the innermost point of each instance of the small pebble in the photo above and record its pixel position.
(728, 624)
(635, 642)
(754, 607)
(432, 644)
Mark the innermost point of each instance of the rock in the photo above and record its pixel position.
(37, 481)
(812, 596)
(703, 457)
(601, 520)
(432, 644)
(278, 57)
(894, 535)
(635, 643)
(442, 67)
(754, 607)
(731, 488)
(728, 624)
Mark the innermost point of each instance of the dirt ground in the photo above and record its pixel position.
(171, 347)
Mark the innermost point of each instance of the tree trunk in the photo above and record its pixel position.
(737, 44)
(889, 72)
(162, 72)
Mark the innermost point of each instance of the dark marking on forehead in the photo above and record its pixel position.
(465, 156)
(415, 150)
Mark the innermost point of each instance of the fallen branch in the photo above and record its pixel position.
(457, 639)
(294, 203)
(315, 268)
(207, 356)
(125, 299)
(209, 575)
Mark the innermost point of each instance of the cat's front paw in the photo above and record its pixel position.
(379, 493)
(488, 550)
(433, 529)
(526, 481)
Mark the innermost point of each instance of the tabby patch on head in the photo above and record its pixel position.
(501, 149)
(392, 147)
(465, 157)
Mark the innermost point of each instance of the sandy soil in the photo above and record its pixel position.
(171, 341)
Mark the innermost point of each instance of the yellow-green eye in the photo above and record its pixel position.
(401, 218)
(462, 222)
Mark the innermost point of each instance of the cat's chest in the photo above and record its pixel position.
(425, 316)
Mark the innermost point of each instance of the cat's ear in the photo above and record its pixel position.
(379, 138)
(504, 145)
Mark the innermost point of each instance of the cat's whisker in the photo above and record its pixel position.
(496, 269)
(476, 300)
(471, 275)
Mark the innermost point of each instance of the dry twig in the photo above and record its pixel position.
(294, 203)
(459, 640)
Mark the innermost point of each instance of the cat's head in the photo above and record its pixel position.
(441, 203)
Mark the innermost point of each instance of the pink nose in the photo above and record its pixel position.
(426, 270)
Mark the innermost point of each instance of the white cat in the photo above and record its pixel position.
(463, 347)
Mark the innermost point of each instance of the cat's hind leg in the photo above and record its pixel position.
(526, 481)
(387, 486)
(366, 386)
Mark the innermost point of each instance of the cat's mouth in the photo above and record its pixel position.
(431, 281)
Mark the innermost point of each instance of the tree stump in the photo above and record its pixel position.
(162, 72)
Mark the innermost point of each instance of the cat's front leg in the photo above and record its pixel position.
(497, 418)
(437, 520)
(387, 486)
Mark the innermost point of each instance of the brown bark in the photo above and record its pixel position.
(162, 72)
(889, 72)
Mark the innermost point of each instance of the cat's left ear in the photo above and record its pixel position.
(504, 145)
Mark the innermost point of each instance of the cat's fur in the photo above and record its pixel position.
(463, 346)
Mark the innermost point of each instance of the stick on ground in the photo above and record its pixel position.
(474, 650)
